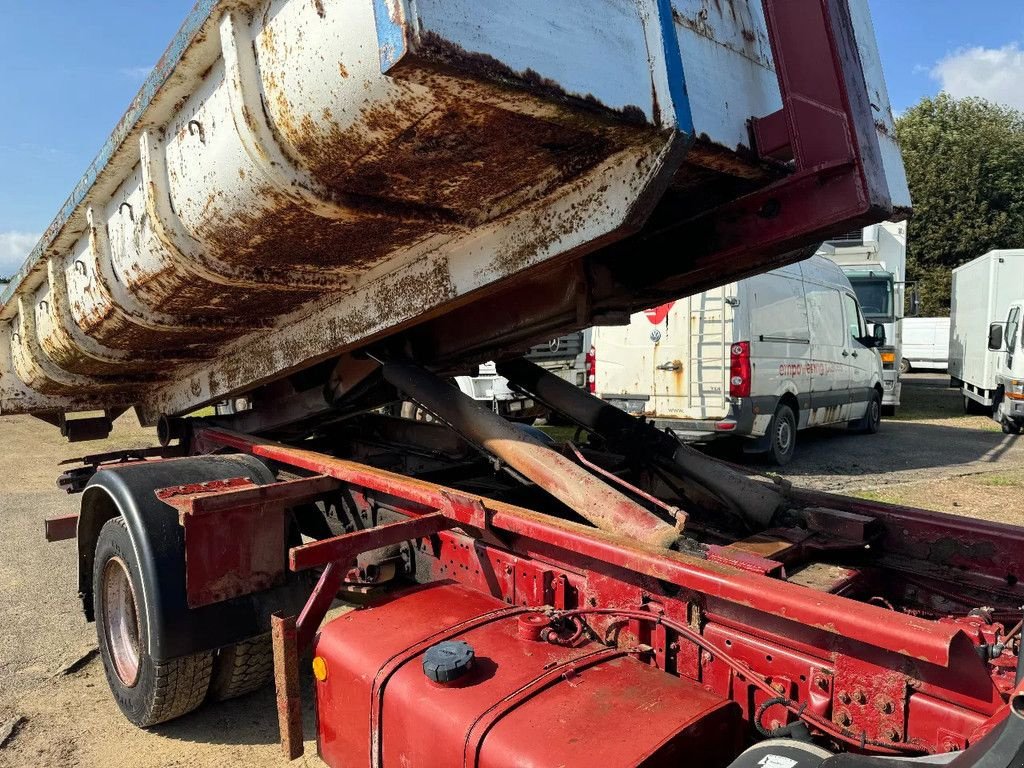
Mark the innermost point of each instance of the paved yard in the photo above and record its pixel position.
(930, 455)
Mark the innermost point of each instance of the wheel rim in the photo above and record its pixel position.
(784, 435)
(121, 621)
(876, 411)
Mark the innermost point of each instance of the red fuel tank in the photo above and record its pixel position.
(523, 702)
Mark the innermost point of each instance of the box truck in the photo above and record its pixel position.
(874, 260)
(1006, 341)
(982, 292)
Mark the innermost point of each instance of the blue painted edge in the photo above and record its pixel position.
(184, 38)
(391, 33)
(674, 68)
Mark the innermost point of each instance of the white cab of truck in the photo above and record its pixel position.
(875, 261)
(1006, 341)
(760, 358)
(925, 344)
(983, 292)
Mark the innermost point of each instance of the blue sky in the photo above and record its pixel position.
(68, 69)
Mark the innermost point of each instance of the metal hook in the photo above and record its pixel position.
(16, 337)
(131, 213)
(44, 305)
(80, 267)
(195, 124)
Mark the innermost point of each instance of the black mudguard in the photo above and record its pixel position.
(158, 538)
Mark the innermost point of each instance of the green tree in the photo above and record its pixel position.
(965, 166)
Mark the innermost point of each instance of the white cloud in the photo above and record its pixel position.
(138, 74)
(14, 249)
(995, 74)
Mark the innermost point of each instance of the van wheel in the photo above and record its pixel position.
(783, 435)
(146, 691)
(1010, 428)
(872, 420)
(904, 366)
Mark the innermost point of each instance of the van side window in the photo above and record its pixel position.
(1012, 327)
(825, 316)
(853, 318)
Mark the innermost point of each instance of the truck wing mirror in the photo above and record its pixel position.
(995, 337)
(915, 301)
(878, 334)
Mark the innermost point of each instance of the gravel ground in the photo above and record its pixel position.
(930, 455)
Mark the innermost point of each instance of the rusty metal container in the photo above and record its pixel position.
(296, 179)
(522, 702)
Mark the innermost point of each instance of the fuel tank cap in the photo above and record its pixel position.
(448, 661)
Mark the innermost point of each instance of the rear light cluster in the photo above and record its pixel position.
(591, 365)
(888, 358)
(739, 369)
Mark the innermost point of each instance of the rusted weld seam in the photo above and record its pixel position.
(111, 289)
(126, 303)
(38, 359)
(188, 252)
(243, 81)
(65, 323)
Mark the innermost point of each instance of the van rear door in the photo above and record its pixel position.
(691, 362)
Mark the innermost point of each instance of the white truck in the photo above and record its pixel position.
(875, 261)
(925, 344)
(759, 358)
(984, 292)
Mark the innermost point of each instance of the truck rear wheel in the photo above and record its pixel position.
(904, 366)
(242, 668)
(783, 435)
(148, 692)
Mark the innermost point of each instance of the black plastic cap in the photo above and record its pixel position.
(448, 661)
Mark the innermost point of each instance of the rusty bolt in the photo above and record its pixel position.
(885, 706)
(844, 697)
(674, 647)
(508, 570)
(821, 682)
(948, 745)
(891, 733)
(860, 697)
(843, 718)
(779, 687)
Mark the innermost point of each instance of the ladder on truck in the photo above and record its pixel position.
(710, 339)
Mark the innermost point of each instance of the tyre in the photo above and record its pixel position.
(872, 419)
(242, 668)
(1010, 428)
(782, 435)
(904, 366)
(146, 691)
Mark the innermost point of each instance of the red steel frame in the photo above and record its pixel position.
(885, 677)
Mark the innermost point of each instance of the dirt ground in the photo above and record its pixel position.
(52, 685)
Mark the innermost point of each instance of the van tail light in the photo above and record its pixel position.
(591, 366)
(739, 369)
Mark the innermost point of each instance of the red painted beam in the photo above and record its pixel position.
(61, 528)
(347, 546)
(899, 633)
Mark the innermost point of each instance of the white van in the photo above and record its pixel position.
(760, 358)
(925, 344)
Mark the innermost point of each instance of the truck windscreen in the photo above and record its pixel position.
(875, 296)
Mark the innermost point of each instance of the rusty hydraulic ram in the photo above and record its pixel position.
(567, 481)
(757, 502)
